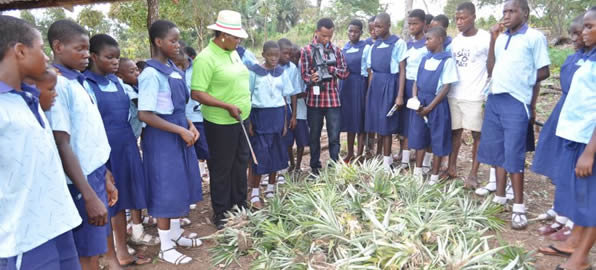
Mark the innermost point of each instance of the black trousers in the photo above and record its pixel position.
(228, 162)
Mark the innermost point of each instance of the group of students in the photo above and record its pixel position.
(69, 132)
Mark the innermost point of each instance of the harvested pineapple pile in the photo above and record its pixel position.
(360, 217)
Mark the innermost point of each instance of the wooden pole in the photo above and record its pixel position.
(152, 16)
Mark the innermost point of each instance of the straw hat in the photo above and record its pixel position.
(229, 22)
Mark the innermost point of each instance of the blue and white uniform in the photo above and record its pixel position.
(76, 113)
(125, 159)
(352, 91)
(435, 71)
(268, 115)
(295, 79)
(416, 51)
(193, 112)
(505, 128)
(576, 197)
(37, 213)
(383, 60)
(171, 167)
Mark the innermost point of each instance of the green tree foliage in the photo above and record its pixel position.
(94, 21)
(450, 8)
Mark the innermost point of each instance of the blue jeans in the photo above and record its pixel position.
(332, 118)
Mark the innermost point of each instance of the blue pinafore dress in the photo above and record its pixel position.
(170, 165)
(125, 159)
(406, 114)
(353, 90)
(381, 95)
(547, 159)
(437, 132)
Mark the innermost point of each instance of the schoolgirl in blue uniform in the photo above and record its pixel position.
(442, 21)
(125, 159)
(547, 157)
(170, 161)
(82, 141)
(267, 122)
(431, 126)
(37, 213)
(296, 130)
(370, 41)
(386, 85)
(352, 90)
(300, 130)
(518, 60)
(415, 53)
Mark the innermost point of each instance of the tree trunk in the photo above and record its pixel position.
(152, 15)
(405, 32)
(319, 2)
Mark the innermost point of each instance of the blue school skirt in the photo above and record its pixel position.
(127, 168)
(301, 133)
(91, 240)
(436, 133)
(353, 103)
(575, 197)
(406, 114)
(201, 147)
(547, 158)
(503, 141)
(270, 149)
(172, 169)
(58, 253)
(380, 98)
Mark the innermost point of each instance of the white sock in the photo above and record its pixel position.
(255, 195)
(169, 254)
(270, 187)
(427, 158)
(166, 242)
(569, 224)
(560, 220)
(387, 160)
(405, 156)
(434, 178)
(175, 230)
(417, 171)
(493, 175)
(137, 230)
(519, 208)
(500, 200)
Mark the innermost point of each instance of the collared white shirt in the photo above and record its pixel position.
(35, 204)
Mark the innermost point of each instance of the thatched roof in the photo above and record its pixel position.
(28, 4)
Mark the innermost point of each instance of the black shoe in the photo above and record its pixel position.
(219, 221)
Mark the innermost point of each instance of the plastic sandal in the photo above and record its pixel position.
(194, 241)
(145, 240)
(178, 261)
(519, 221)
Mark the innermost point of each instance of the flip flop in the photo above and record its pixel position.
(137, 260)
(551, 250)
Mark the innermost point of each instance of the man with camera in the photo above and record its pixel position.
(322, 64)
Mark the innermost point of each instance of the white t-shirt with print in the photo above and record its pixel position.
(470, 54)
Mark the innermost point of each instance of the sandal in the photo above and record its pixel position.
(269, 194)
(178, 261)
(549, 229)
(149, 221)
(487, 189)
(185, 222)
(522, 224)
(257, 205)
(194, 241)
(136, 260)
(190, 234)
(551, 250)
(145, 240)
(561, 235)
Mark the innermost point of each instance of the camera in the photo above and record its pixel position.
(322, 59)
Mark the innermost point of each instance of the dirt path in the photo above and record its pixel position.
(538, 196)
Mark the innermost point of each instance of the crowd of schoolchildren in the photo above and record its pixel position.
(75, 180)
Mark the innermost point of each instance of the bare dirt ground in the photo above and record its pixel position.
(538, 197)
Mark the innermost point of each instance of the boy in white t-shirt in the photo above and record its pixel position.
(466, 98)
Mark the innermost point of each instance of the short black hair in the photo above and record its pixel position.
(124, 59)
(284, 43)
(438, 31)
(428, 18)
(372, 19)
(384, 18)
(325, 22)
(418, 13)
(442, 19)
(270, 45)
(64, 31)
(13, 31)
(159, 29)
(523, 4)
(190, 51)
(469, 6)
(358, 23)
(141, 65)
(100, 41)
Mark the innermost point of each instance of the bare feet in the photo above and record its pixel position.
(471, 182)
